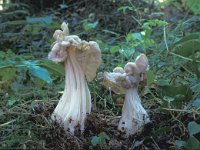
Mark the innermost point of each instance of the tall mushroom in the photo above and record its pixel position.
(81, 60)
(126, 81)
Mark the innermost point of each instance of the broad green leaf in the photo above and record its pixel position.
(180, 143)
(179, 93)
(194, 5)
(137, 36)
(52, 67)
(114, 49)
(41, 73)
(187, 48)
(189, 37)
(192, 144)
(193, 128)
(8, 74)
(47, 19)
(38, 71)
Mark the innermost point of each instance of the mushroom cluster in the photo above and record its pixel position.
(81, 60)
(126, 81)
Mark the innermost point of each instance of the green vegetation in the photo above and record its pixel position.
(31, 85)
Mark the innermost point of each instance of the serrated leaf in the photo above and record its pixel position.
(193, 128)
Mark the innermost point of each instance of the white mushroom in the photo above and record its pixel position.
(134, 116)
(81, 60)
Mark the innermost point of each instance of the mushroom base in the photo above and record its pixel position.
(134, 116)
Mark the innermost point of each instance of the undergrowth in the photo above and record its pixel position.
(31, 85)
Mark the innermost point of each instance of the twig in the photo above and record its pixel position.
(4, 124)
(181, 110)
(165, 39)
(186, 58)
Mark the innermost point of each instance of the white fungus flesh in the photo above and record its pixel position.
(126, 81)
(81, 60)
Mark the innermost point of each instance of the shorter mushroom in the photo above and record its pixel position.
(126, 81)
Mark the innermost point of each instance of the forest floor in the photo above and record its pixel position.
(25, 114)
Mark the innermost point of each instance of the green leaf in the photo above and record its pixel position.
(53, 67)
(11, 102)
(89, 26)
(163, 82)
(187, 48)
(103, 137)
(161, 130)
(95, 140)
(125, 8)
(193, 128)
(41, 73)
(114, 49)
(38, 71)
(192, 144)
(137, 36)
(15, 22)
(127, 52)
(63, 6)
(189, 37)
(8, 74)
(180, 143)
(194, 5)
(178, 93)
(150, 77)
(47, 19)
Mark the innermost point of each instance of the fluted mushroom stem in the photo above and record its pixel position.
(134, 116)
(76, 99)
